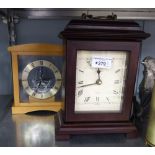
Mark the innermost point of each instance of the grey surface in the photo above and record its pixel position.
(69, 13)
(40, 31)
(37, 129)
(5, 62)
(5, 104)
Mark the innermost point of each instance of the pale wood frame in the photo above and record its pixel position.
(32, 49)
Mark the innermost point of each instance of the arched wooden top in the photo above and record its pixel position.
(37, 48)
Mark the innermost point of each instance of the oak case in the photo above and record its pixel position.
(27, 51)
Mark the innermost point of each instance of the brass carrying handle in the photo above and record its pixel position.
(108, 17)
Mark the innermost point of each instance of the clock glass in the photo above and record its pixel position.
(40, 77)
(100, 81)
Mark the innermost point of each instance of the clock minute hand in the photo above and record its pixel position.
(98, 82)
(40, 74)
(88, 85)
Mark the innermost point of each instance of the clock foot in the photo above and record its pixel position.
(63, 130)
(62, 136)
(26, 109)
(133, 134)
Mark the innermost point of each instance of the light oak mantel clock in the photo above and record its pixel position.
(101, 65)
(37, 77)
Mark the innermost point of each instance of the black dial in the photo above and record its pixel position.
(41, 79)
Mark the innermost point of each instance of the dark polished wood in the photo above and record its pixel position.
(120, 30)
(99, 35)
(64, 130)
(72, 47)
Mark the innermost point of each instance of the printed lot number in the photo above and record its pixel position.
(101, 62)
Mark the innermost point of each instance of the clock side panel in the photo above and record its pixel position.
(132, 48)
(70, 77)
(32, 76)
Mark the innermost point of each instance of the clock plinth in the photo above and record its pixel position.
(26, 109)
(64, 130)
(32, 99)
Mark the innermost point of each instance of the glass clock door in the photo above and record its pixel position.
(40, 77)
(100, 81)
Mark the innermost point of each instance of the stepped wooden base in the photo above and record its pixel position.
(63, 130)
(26, 109)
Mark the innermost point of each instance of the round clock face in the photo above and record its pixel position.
(100, 81)
(41, 79)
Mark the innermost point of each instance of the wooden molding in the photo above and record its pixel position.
(43, 49)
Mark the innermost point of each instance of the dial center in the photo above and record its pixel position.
(98, 82)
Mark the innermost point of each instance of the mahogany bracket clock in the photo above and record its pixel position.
(101, 64)
(37, 77)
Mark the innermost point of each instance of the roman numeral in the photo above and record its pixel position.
(56, 88)
(115, 92)
(118, 70)
(97, 99)
(32, 64)
(34, 93)
(81, 70)
(80, 92)
(41, 62)
(80, 82)
(26, 87)
(56, 71)
(41, 96)
(116, 82)
(58, 79)
(108, 100)
(86, 99)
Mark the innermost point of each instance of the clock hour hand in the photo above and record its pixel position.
(98, 72)
(36, 87)
(98, 81)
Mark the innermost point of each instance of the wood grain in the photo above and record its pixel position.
(32, 49)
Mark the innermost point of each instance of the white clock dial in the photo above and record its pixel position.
(41, 79)
(100, 88)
